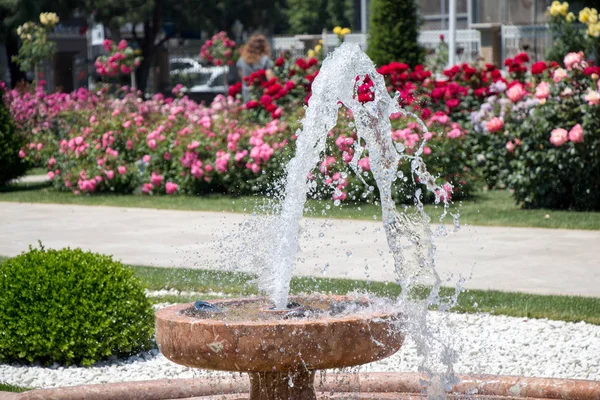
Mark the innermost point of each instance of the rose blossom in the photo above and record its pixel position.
(542, 90)
(576, 134)
(50, 175)
(110, 174)
(516, 92)
(122, 170)
(156, 179)
(510, 147)
(559, 75)
(572, 59)
(494, 125)
(171, 187)
(592, 97)
(559, 136)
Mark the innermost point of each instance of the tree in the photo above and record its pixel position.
(394, 31)
(16, 12)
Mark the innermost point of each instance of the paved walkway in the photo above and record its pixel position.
(511, 259)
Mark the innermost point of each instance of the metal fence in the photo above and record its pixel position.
(535, 40)
(468, 43)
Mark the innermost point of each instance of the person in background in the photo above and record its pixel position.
(256, 55)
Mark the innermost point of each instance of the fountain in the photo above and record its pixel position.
(281, 341)
(281, 347)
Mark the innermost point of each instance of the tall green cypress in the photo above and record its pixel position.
(394, 31)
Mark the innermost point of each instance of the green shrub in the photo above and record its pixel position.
(394, 32)
(70, 306)
(11, 165)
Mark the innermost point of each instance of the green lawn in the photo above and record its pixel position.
(564, 308)
(486, 208)
(5, 387)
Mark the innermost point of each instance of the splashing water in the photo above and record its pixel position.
(334, 86)
(409, 236)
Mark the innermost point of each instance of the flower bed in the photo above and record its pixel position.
(533, 129)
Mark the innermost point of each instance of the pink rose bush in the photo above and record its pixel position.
(120, 59)
(548, 151)
(218, 50)
(95, 142)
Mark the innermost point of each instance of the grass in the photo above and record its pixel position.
(495, 208)
(5, 387)
(36, 171)
(562, 308)
(232, 284)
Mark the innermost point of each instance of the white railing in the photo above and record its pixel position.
(468, 43)
(532, 39)
(288, 43)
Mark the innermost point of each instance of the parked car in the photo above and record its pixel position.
(198, 78)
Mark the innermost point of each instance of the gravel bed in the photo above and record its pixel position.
(486, 344)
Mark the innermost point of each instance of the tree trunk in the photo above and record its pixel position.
(148, 45)
(12, 49)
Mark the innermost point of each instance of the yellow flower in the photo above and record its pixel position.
(345, 31)
(564, 9)
(594, 29)
(557, 8)
(311, 53)
(320, 41)
(593, 17)
(49, 19)
(337, 30)
(318, 48)
(584, 15)
(554, 8)
(570, 17)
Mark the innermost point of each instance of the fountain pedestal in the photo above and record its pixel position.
(280, 355)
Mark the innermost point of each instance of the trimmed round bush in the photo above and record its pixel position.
(11, 165)
(70, 307)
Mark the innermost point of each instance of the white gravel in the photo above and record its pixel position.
(487, 344)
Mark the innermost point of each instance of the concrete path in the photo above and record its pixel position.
(510, 259)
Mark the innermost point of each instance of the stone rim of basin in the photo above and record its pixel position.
(281, 355)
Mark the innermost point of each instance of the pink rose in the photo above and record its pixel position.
(572, 59)
(22, 154)
(363, 164)
(147, 188)
(122, 45)
(156, 179)
(576, 134)
(559, 136)
(110, 174)
(494, 125)
(50, 175)
(151, 144)
(592, 97)
(542, 90)
(510, 146)
(146, 158)
(559, 75)
(426, 150)
(122, 170)
(171, 187)
(516, 92)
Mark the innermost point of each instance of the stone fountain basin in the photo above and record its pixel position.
(275, 345)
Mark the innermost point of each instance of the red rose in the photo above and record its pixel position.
(279, 62)
(538, 67)
(452, 103)
(251, 104)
